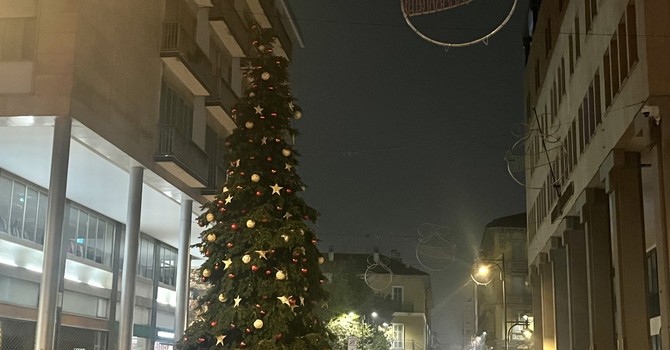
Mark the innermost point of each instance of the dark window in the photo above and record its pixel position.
(571, 51)
(578, 38)
(607, 79)
(175, 110)
(632, 34)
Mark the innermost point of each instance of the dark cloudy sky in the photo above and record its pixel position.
(398, 133)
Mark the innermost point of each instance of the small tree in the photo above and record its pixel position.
(370, 336)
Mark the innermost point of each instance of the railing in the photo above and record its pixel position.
(406, 345)
(403, 307)
(519, 266)
(222, 94)
(177, 42)
(174, 146)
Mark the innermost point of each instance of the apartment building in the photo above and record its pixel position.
(597, 87)
(501, 313)
(112, 115)
(408, 287)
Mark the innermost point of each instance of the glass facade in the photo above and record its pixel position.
(89, 235)
(168, 265)
(22, 209)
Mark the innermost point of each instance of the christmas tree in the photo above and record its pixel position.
(262, 266)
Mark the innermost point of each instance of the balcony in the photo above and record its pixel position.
(182, 157)
(519, 266)
(403, 307)
(230, 27)
(407, 345)
(221, 95)
(186, 60)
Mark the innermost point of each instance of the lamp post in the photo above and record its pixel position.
(481, 274)
(525, 331)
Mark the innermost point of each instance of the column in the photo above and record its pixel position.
(578, 299)
(536, 286)
(560, 271)
(595, 217)
(113, 338)
(183, 267)
(131, 248)
(52, 267)
(624, 187)
(548, 312)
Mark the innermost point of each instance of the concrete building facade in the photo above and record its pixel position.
(501, 313)
(597, 171)
(112, 117)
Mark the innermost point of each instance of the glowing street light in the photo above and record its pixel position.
(481, 274)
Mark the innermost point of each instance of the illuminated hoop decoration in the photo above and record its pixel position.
(375, 270)
(434, 250)
(537, 148)
(421, 7)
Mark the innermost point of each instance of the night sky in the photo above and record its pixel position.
(400, 136)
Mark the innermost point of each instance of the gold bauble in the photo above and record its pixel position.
(246, 258)
(210, 217)
(321, 260)
(297, 114)
(280, 275)
(211, 237)
(206, 273)
(222, 298)
(265, 76)
(249, 125)
(258, 324)
(286, 152)
(255, 177)
(251, 223)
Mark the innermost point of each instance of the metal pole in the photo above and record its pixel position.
(502, 275)
(52, 269)
(131, 248)
(183, 267)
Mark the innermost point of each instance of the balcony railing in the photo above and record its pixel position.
(222, 95)
(406, 345)
(403, 307)
(175, 147)
(177, 42)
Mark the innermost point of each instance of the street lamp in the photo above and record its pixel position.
(481, 274)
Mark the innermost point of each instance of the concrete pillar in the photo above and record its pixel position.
(558, 259)
(536, 285)
(595, 217)
(578, 298)
(113, 338)
(52, 266)
(131, 249)
(183, 267)
(624, 186)
(548, 312)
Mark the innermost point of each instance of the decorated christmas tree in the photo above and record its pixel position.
(262, 266)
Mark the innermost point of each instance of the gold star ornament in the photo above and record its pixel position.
(220, 339)
(276, 188)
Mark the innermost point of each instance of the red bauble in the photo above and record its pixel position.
(247, 330)
(231, 275)
(274, 114)
(222, 210)
(217, 266)
(303, 270)
(208, 252)
(288, 190)
(201, 340)
(306, 217)
(264, 220)
(278, 336)
(268, 272)
(291, 301)
(259, 193)
(213, 324)
(254, 268)
(269, 158)
(263, 312)
(243, 344)
(295, 261)
(314, 241)
(243, 211)
(230, 244)
(242, 173)
(274, 171)
(304, 260)
(220, 202)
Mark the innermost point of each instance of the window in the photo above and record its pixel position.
(607, 77)
(145, 258)
(571, 53)
(614, 64)
(398, 336)
(653, 300)
(17, 39)
(632, 34)
(89, 235)
(22, 209)
(623, 52)
(578, 39)
(547, 38)
(175, 110)
(168, 265)
(397, 293)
